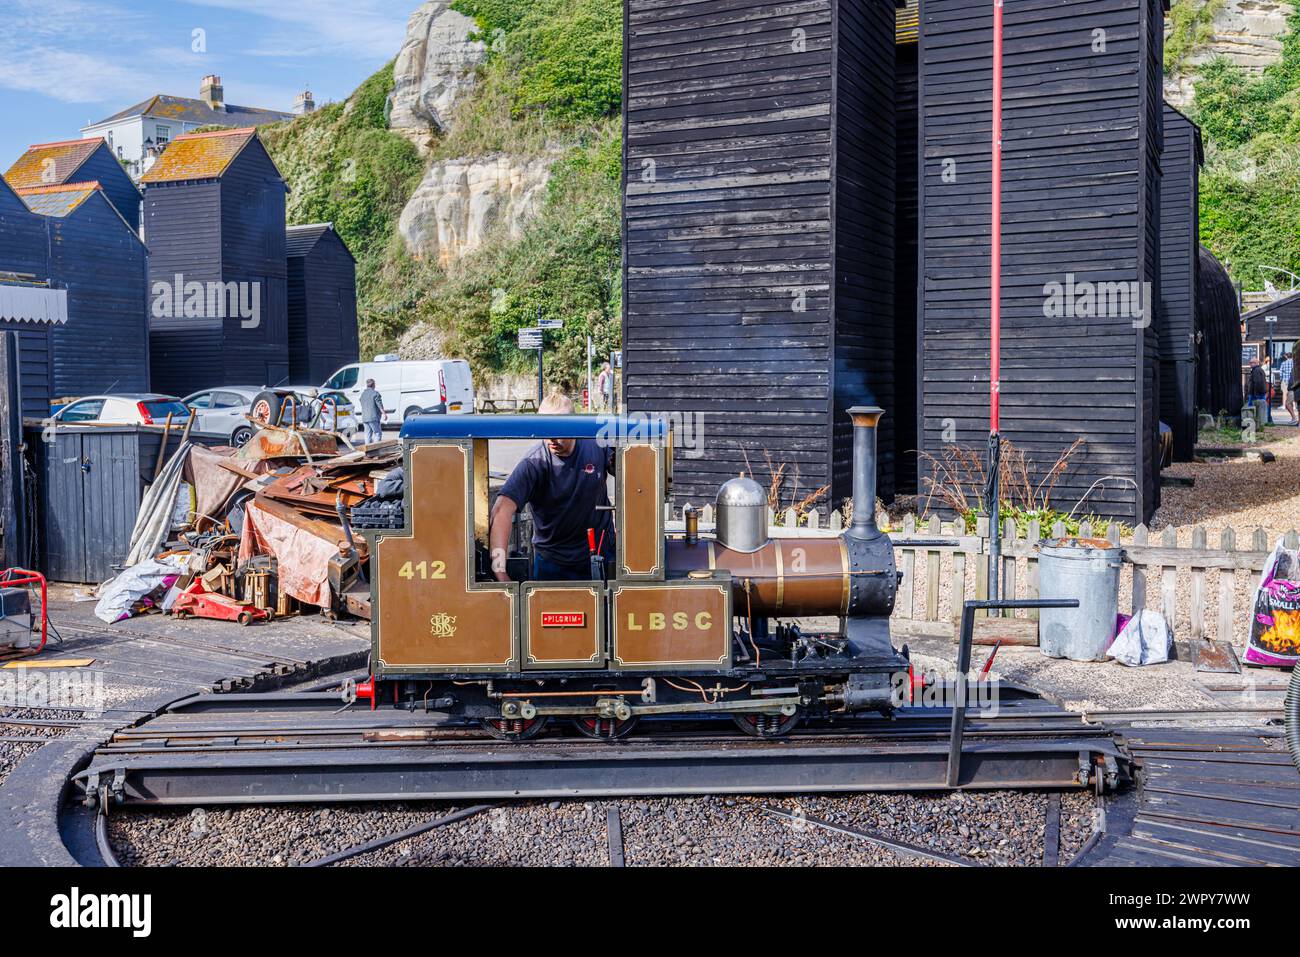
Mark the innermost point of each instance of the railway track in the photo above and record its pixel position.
(299, 747)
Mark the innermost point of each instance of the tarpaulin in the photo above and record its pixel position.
(154, 519)
(119, 595)
(214, 484)
(301, 547)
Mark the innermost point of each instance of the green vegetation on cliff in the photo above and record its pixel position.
(551, 87)
(1250, 187)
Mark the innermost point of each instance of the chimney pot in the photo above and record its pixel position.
(211, 92)
(865, 463)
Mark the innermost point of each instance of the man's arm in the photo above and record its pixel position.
(503, 515)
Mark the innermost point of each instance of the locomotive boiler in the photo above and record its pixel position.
(682, 625)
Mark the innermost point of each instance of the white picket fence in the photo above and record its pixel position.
(1203, 591)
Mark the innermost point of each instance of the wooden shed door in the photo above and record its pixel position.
(64, 540)
(92, 495)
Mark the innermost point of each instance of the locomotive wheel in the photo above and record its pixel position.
(761, 725)
(514, 729)
(605, 729)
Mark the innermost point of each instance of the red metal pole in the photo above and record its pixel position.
(994, 497)
(995, 282)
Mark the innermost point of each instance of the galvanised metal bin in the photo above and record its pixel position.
(1086, 569)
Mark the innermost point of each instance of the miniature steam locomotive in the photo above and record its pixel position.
(682, 625)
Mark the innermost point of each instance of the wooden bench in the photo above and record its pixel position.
(493, 406)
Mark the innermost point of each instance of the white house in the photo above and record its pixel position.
(139, 133)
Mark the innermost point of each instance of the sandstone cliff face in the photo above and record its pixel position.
(434, 67)
(1248, 32)
(460, 202)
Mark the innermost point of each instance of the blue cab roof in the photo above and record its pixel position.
(615, 429)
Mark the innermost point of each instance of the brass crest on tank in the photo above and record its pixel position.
(442, 625)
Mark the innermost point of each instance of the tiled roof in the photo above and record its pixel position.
(56, 200)
(34, 168)
(198, 156)
(299, 240)
(183, 108)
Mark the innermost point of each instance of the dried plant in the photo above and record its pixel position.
(778, 499)
(958, 476)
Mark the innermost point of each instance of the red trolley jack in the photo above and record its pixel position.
(197, 601)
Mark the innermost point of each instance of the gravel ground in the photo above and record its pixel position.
(1080, 685)
(1239, 493)
(12, 752)
(994, 828)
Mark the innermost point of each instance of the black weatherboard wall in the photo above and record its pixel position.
(322, 277)
(102, 264)
(214, 213)
(24, 260)
(1081, 139)
(1179, 245)
(758, 231)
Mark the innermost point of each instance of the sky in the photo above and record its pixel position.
(65, 63)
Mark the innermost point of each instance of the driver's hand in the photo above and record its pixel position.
(503, 576)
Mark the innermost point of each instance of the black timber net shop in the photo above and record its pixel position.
(807, 209)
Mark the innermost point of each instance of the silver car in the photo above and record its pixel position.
(226, 410)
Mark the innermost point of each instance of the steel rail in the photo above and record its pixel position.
(102, 842)
(586, 768)
(291, 741)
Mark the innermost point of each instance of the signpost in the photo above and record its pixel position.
(533, 337)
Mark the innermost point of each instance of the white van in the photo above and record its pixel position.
(409, 387)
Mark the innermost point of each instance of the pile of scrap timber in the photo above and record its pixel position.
(262, 531)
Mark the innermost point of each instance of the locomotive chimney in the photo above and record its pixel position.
(865, 418)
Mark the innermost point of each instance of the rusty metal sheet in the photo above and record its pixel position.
(273, 442)
(306, 489)
(1216, 657)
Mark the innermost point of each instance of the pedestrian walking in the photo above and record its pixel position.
(372, 413)
(605, 386)
(1268, 390)
(1287, 379)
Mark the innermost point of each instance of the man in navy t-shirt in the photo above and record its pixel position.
(564, 480)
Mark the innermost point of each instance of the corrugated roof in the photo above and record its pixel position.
(50, 164)
(299, 240)
(198, 156)
(57, 200)
(907, 23)
(183, 108)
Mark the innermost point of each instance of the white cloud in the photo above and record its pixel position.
(114, 54)
(366, 28)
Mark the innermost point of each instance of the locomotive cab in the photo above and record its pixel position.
(683, 626)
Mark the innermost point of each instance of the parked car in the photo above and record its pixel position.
(137, 408)
(226, 411)
(411, 387)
